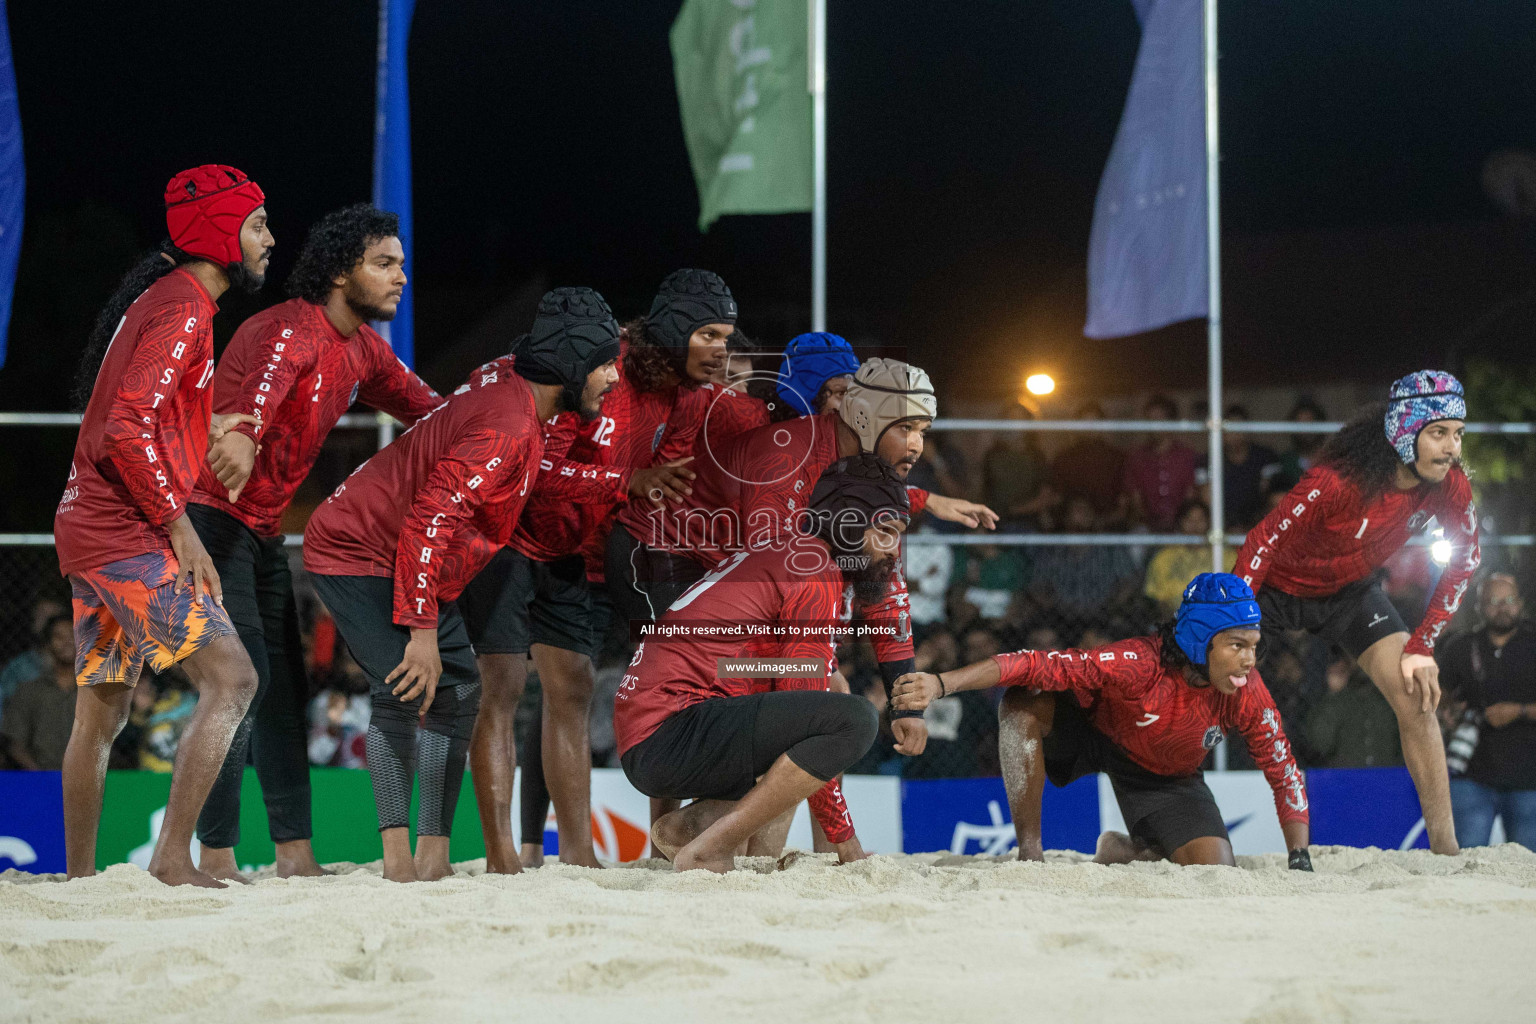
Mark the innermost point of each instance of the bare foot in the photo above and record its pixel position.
(400, 872)
(183, 874)
(531, 855)
(296, 859)
(1449, 848)
(508, 864)
(432, 872)
(670, 833)
(583, 859)
(1031, 849)
(219, 862)
(690, 859)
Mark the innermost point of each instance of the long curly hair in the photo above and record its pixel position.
(335, 245)
(1172, 656)
(1361, 453)
(650, 366)
(151, 267)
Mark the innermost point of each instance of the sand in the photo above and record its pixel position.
(1371, 936)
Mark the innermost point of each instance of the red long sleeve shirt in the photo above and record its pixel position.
(145, 430)
(749, 492)
(431, 509)
(1325, 535)
(1161, 722)
(293, 368)
(758, 587)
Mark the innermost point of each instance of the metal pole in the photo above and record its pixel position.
(1213, 299)
(818, 86)
(1213, 277)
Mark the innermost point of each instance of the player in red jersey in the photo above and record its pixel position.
(298, 366)
(1145, 712)
(1316, 560)
(532, 599)
(751, 489)
(396, 544)
(145, 590)
(749, 748)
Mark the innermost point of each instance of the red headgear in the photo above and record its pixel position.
(205, 208)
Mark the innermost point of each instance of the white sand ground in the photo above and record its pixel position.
(1371, 936)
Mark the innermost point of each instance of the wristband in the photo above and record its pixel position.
(1300, 860)
(943, 690)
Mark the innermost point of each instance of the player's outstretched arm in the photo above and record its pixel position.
(916, 690)
(958, 510)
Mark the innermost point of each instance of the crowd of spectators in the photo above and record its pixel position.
(968, 602)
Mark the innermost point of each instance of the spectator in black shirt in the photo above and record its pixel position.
(1492, 671)
(1246, 469)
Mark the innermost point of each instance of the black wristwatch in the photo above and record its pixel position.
(1300, 860)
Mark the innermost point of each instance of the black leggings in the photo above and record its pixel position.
(258, 595)
(363, 609)
(718, 748)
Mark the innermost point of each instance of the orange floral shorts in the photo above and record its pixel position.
(129, 613)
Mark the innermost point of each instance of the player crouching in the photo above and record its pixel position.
(749, 749)
(1144, 712)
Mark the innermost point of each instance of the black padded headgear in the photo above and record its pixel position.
(686, 301)
(574, 333)
(852, 495)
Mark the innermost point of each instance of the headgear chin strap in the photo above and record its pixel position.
(1213, 602)
(1418, 400)
(810, 360)
(205, 208)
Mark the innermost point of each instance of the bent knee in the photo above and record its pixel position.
(1022, 707)
(864, 722)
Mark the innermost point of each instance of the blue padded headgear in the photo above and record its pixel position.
(810, 360)
(1213, 601)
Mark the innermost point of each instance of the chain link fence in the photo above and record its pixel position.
(1073, 564)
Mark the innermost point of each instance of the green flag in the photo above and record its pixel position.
(743, 87)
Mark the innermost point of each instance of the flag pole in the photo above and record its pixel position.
(1213, 278)
(818, 87)
(1213, 312)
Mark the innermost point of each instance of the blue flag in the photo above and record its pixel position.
(392, 156)
(13, 180)
(1147, 260)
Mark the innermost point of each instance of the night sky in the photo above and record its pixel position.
(966, 141)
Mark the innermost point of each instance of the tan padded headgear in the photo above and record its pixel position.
(883, 393)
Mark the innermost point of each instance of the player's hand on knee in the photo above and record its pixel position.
(1421, 677)
(418, 671)
(195, 566)
(914, 691)
(911, 735)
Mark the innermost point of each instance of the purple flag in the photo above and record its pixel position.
(1147, 261)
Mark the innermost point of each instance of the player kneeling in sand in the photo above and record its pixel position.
(1145, 712)
(749, 749)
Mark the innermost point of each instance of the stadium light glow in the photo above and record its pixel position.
(1039, 384)
(1440, 551)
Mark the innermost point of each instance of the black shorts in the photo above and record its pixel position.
(517, 601)
(1354, 618)
(364, 609)
(717, 748)
(1166, 810)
